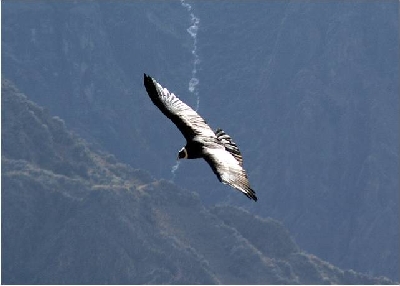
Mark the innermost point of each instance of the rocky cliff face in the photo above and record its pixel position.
(72, 215)
(308, 90)
(316, 92)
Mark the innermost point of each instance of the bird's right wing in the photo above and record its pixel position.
(228, 170)
(185, 118)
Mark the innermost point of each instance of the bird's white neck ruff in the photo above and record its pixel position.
(184, 151)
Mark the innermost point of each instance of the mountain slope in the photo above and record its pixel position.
(308, 90)
(72, 215)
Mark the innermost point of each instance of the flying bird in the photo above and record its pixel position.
(217, 148)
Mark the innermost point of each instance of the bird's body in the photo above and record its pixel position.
(217, 148)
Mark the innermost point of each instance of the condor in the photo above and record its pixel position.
(217, 148)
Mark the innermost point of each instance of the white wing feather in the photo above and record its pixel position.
(228, 170)
(186, 114)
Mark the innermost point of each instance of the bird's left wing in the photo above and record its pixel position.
(185, 118)
(228, 170)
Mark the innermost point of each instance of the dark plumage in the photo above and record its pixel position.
(217, 148)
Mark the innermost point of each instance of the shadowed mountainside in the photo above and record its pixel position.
(308, 90)
(311, 95)
(72, 215)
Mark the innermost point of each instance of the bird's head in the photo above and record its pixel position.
(182, 154)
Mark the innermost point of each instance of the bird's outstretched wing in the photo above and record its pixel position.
(229, 145)
(228, 170)
(185, 118)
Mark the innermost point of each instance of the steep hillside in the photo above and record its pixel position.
(308, 90)
(72, 215)
(71, 58)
